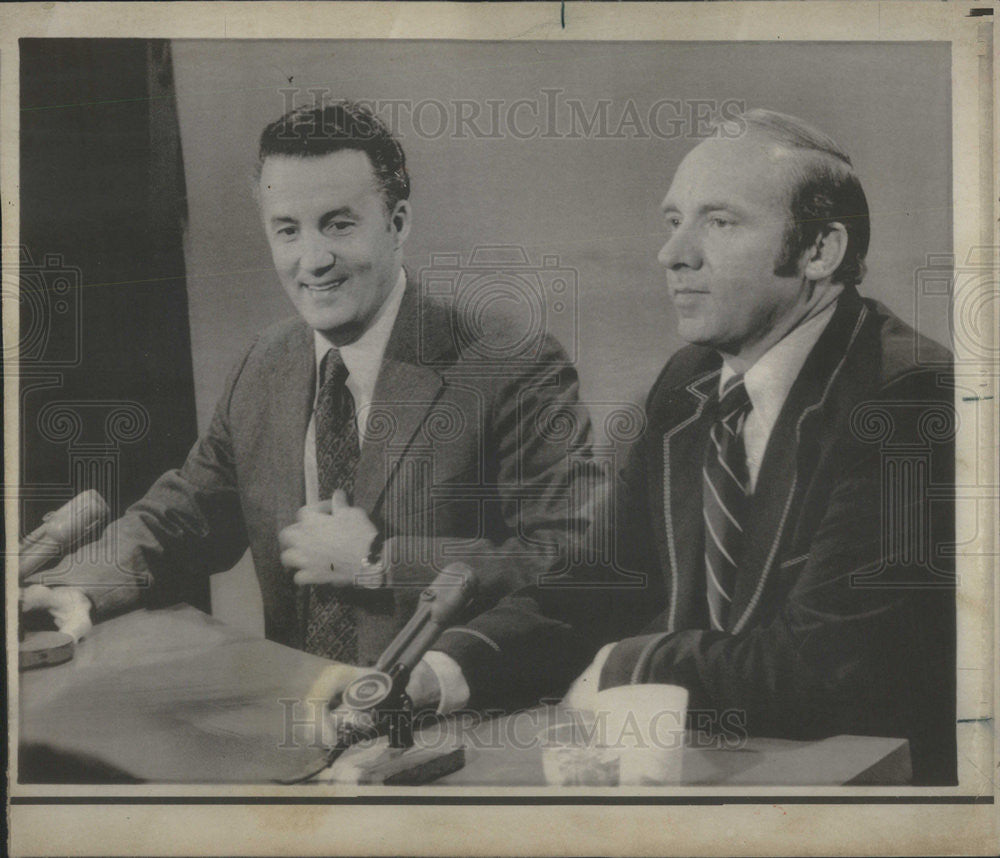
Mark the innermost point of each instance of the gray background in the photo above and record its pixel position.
(592, 203)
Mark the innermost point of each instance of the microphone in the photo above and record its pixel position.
(62, 531)
(439, 605)
(376, 702)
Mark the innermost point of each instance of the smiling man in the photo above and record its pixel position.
(363, 445)
(786, 518)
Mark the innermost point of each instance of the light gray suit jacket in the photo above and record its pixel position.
(467, 456)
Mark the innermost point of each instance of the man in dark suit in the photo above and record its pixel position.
(783, 526)
(376, 414)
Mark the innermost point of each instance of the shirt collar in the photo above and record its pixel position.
(363, 357)
(770, 379)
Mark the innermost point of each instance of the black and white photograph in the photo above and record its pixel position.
(556, 417)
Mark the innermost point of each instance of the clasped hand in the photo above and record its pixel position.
(328, 544)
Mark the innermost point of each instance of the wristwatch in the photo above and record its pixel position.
(372, 575)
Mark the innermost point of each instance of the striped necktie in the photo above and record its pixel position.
(725, 482)
(329, 624)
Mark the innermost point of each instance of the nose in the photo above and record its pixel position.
(317, 255)
(681, 250)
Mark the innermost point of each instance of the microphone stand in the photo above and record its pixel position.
(376, 703)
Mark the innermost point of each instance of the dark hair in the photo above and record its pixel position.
(825, 189)
(309, 132)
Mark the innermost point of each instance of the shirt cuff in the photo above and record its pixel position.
(628, 661)
(454, 689)
(601, 658)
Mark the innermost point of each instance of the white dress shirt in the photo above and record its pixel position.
(769, 381)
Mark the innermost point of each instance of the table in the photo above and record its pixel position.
(174, 696)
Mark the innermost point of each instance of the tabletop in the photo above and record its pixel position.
(175, 696)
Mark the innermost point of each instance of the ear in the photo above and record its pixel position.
(827, 252)
(399, 222)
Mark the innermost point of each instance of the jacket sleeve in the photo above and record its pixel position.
(537, 640)
(536, 462)
(189, 523)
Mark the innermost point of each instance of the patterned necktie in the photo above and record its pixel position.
(330, 627)
(725, 482)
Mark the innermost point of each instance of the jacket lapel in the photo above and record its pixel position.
(683, 453)
(786, 456)
(292, 392)
(406, 388)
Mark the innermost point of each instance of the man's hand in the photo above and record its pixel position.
(582, 693)
(326, 693)
(328, 543)
(69, 607)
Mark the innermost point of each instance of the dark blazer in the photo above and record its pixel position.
(843, 618)
(453, 467)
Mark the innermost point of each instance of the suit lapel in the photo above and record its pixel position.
(683, 453)
(291, 400)
(786, 456)
(406, 388)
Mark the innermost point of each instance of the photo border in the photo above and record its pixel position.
(160, 819)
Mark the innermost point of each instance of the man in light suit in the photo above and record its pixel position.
(784, 524)
(375, 415)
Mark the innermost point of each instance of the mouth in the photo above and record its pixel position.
(324, 286)
(687, 301)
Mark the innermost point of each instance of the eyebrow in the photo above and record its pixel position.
(341, 212)
(326, 217)
(706, 207)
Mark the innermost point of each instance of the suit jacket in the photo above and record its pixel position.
(455, 465)
(843, 617)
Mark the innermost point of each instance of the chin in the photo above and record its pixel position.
(322, 317)
(694, 333)
(341, 331)
(325, 324)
